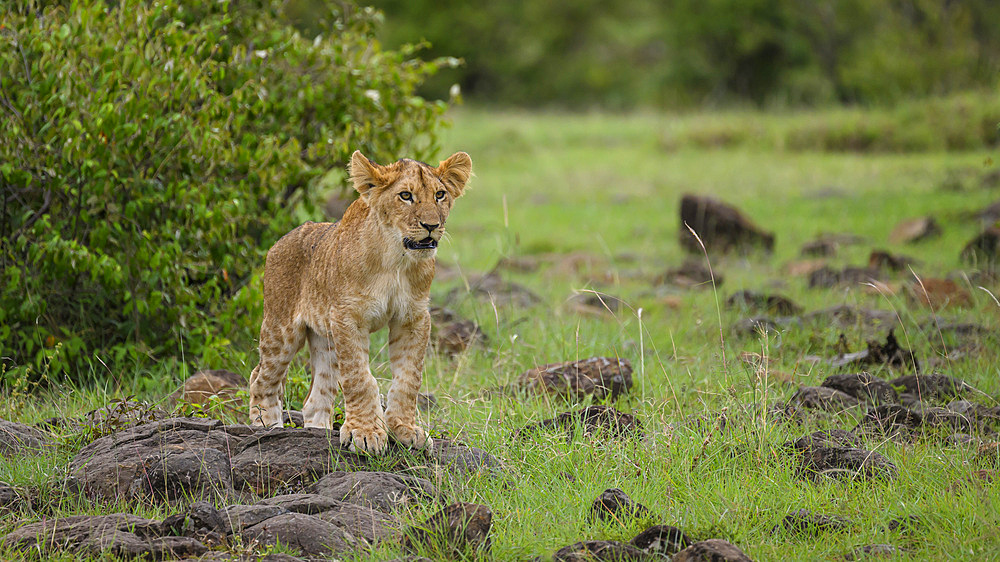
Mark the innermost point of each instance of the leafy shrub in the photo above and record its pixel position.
(150, 153)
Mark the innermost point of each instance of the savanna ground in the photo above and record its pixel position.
(592, 201)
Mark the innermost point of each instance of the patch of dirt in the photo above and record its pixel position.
(939, 293)
(594, 303)
(692, 274)
(882, 260)
(600, 377)
(721, 227)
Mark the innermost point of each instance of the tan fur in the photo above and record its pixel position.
(334, 284)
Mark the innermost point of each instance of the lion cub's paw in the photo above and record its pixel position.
(363, 440)
(413, 436)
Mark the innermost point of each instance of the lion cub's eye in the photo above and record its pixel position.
(406, 196)
(439, 195)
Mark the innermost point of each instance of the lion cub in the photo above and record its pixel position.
(333, 284)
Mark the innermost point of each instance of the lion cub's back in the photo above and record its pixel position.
(287, 261)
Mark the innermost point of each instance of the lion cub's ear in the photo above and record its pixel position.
(454, 172)
(365, 174)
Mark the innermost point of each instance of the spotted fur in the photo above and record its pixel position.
(332, 285)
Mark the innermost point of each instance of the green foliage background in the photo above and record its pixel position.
(696, 52)
(152, 152)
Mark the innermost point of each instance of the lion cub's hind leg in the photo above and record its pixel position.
(318, 408)
(407, 346)
(278, 345)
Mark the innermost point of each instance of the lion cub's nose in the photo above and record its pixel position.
(429, 227)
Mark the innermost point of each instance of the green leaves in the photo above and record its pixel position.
(152, 153)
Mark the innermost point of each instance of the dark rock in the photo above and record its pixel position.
(501, 293)
(602, 377)
(239, 517)
(847, 317)
(185, 474)
(357, 521)
(991, 213)
(614, 505)
(873, 551)
(19, 439)
(664, 540)
(823, 398)
(459, 457)
(906, 524)
(10, 499)
(595, 303)
(890, 420)
(889, 354)
(914, 230)
(804, 521)
(593, 419)
(721, 227)
(827, 277)
(461, 530)
(110, 467)
(309, 504)
(833, 453)
(863, 386)
(283, 459)
(768, 303)
(293, 418)
(305, 533)
(383, 491)
(931, 387)
(712, 550)
(885, 261)
(117, 535)
(451, 334)
(601, 551)
(692, 274)
(937, 416)
(984, 250)
(819, 248)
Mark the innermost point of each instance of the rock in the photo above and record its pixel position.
(914, 230)
(497, 291)
(185, 474)
(721, 227)
(614, 505)
(201, 386)
(819, 248)
(451, 334)
(931, 387)
(939, 293)
(119, 415)
(937, 416)
(988, 454)
(383, 491)
(461, 530)
(890, 354)
(848, 317)
(20, 439)
(309, 504)
(712, 550)
(766, 303)
(693, 274)
(240, 517)
(602, 377)
(117, 535)
(355, 520)
(803, 268)
(863, 386)
(10, 498)
(984, 250)
(664, 540)
(872, 551)
(905, 524)
(593, 419)
(825, 439)
(827, 277)
(804, 521)
(593, 303)
(305, 533)
(991, 213)
(883, 260)
(890, 420)
(601, 551)
(289, 458)
(116, 466)
(459, 457)
(823, 398)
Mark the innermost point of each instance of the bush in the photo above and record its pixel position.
(151, 152)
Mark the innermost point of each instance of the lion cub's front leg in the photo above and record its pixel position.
(364, 423)
(407, 346)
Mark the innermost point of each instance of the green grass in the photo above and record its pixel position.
(607, 187)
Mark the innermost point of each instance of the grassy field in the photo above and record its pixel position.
(592, 201)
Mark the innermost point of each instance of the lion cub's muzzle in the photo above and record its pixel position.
(424, 244)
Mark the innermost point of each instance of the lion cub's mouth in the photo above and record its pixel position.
(425, 244)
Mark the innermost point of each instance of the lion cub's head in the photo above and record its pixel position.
(411, 199)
